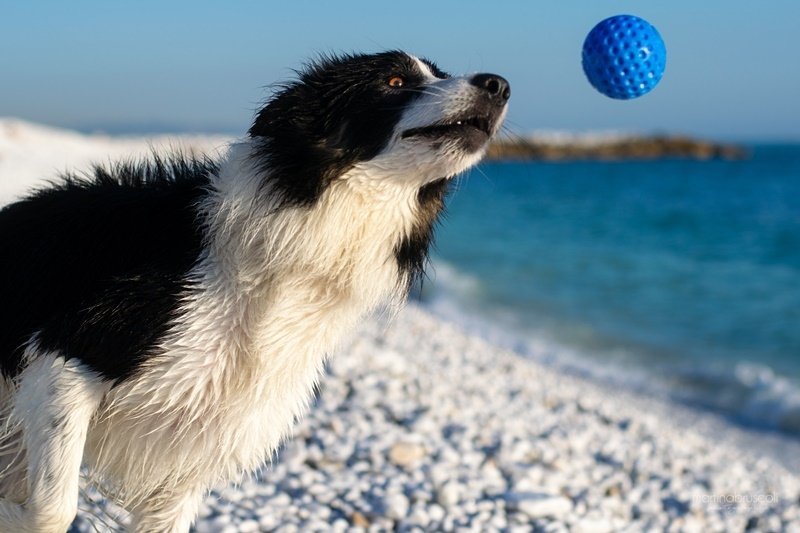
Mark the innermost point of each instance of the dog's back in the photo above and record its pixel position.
(94, 267)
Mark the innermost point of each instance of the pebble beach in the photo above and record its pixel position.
(419, 426)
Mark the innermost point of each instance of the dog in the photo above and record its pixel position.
(164, 322)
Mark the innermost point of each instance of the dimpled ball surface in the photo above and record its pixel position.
(624, 57)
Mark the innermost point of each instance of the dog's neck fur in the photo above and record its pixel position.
(245, 362)
(346, 238)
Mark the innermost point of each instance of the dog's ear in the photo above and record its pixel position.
(290, 112)
(297, 156)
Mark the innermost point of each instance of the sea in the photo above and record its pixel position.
(679, 278)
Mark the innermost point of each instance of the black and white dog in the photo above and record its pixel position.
(164, 323)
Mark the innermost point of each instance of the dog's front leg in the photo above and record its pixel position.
(53, 405)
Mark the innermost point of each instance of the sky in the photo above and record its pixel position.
(733, 71)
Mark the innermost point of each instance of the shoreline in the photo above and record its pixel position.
(619, 377)
(767, 406)
(780, 447)
(419, 425)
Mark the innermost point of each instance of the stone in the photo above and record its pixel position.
(357, 519)
(593, 525)
(449, 494)
(436, 512)
(406, 454)
(396, 506)
(540, 505)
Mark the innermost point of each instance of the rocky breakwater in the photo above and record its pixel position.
(613, 147)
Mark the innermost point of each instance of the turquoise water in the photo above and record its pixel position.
(680, 274)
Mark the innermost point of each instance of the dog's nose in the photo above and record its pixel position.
(495, 85)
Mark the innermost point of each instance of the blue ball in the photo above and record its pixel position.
(624, 57)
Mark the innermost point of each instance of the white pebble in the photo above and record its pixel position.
(397, 506)
(436, 512)
(449, 494)
(540, 505)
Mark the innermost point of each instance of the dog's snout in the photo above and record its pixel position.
(496, 86)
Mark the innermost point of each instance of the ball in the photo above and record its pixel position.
(624, 57)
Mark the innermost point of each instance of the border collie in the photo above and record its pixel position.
(164, 323)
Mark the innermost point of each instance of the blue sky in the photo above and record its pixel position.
(732, 69)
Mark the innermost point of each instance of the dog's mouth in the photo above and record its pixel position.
(468, 126)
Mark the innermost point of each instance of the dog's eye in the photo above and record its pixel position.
(396, 82)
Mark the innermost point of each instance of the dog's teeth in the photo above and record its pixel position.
(458, 122)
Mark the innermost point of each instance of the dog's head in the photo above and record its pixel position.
(395, 116)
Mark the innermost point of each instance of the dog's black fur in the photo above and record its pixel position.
(97, 264)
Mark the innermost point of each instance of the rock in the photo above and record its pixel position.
(418, 517)
(436, 512)
(396, 506)
(449, 494)
(340, 525)
(406, 454)
(695, 525)
(220, 521)
(629, 147)
(357, 519)
(539, 505)
(280, 500)
(267, 522)
(593, 525)
(440, 474)
(498, 521)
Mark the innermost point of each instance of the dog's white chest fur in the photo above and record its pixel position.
(242, 362)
